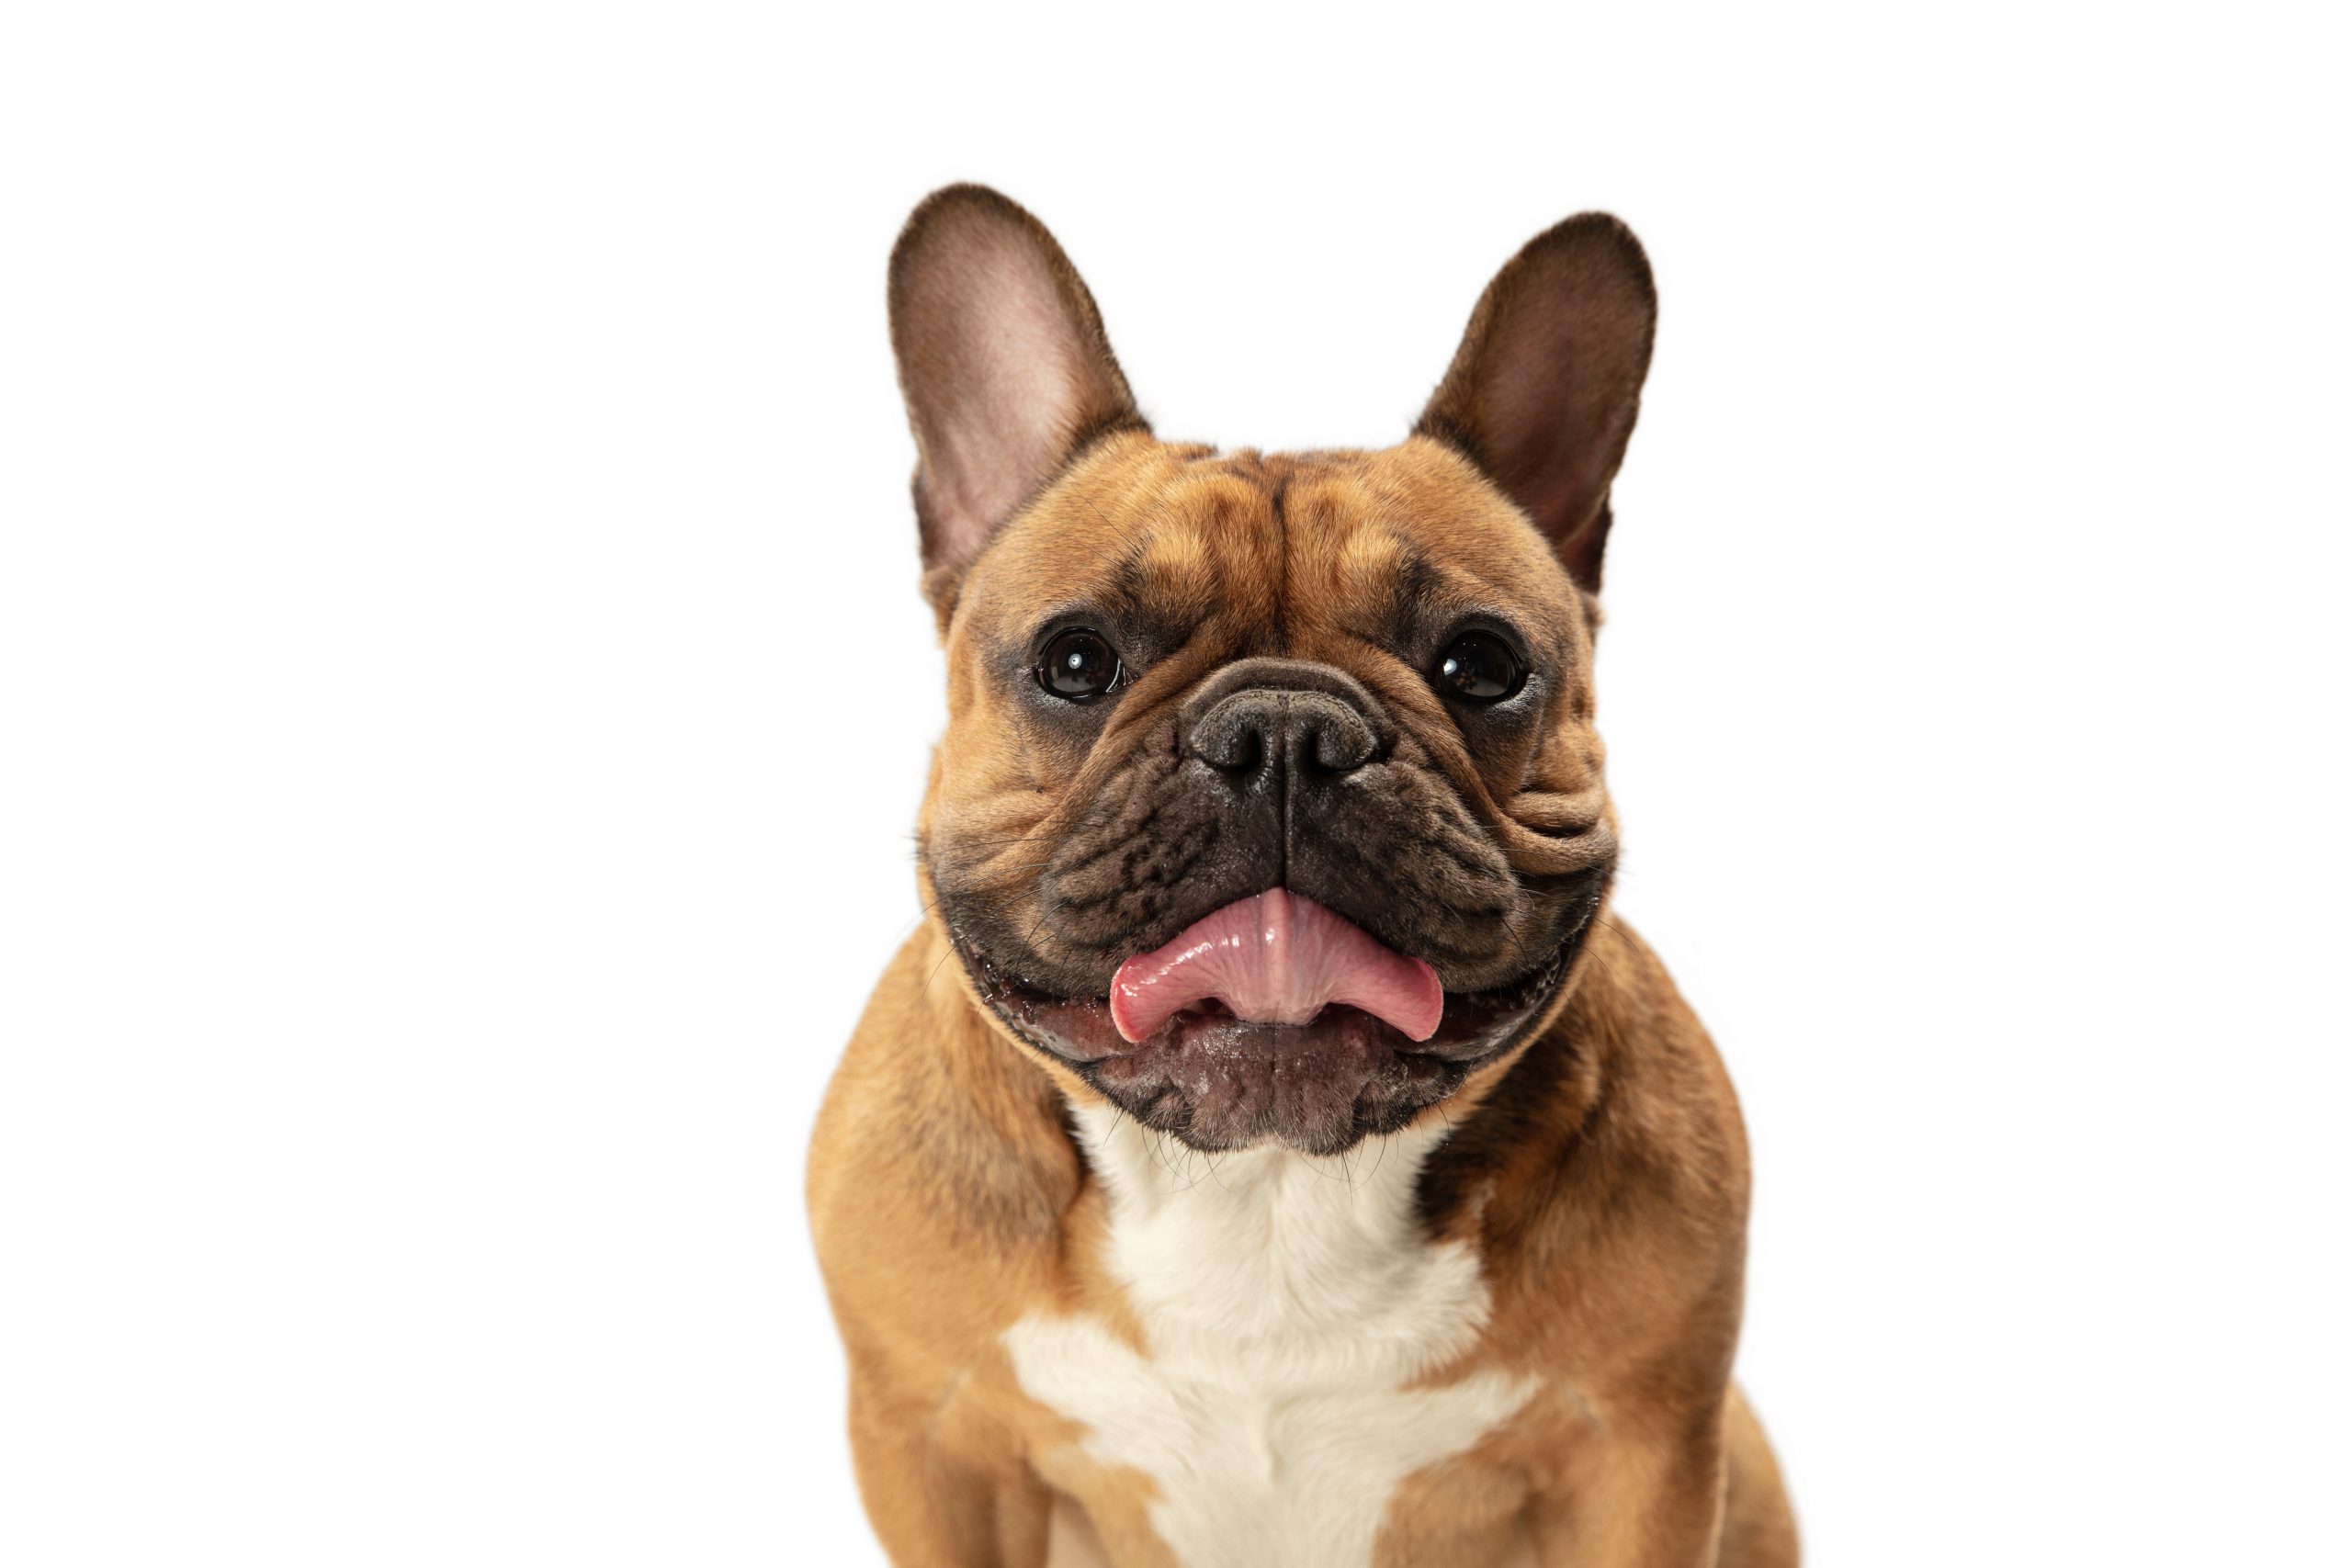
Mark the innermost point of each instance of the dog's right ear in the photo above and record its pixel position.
(1005, 368)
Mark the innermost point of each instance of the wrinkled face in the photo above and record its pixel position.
(1360, 677)
(1270, 805)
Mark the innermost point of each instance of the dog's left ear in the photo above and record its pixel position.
(1005, 367)
(1543, 392)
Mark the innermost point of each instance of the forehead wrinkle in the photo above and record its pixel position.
(1225, 547)
(1460, 586)
(1383, 585)
(1070, 544)
(1185, 550)
(1352, 563)
(1168, 578)
(1477, 559)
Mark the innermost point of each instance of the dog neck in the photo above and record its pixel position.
(1296, 1324)
(1282, 1265)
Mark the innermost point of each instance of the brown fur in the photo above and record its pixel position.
(1597, 1169)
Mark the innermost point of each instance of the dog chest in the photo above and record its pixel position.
(1291, 1310)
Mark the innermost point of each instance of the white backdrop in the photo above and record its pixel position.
(464, 697)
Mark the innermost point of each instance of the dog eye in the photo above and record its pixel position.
(1078, 665)
(1481, 666)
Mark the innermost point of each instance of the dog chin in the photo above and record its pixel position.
(1217, 1082)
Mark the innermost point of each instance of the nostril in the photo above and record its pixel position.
(1333, 755)
(1332, 739)
(1231, 739)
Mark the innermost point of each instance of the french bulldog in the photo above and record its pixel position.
(1269, 1152)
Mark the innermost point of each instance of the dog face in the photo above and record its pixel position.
(1270, 804)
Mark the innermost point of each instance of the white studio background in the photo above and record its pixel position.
(464, 699)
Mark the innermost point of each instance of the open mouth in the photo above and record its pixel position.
(1275, 1017)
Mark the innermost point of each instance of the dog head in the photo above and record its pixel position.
(1270, 805)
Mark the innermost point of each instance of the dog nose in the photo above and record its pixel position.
(1261, 733)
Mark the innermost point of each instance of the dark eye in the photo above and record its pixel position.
(1481, 666)
(1078, 665)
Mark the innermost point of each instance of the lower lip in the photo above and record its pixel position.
(1081, 1033)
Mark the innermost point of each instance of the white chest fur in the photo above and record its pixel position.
(1287, 1302)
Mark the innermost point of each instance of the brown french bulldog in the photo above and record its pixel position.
(1268, 1154)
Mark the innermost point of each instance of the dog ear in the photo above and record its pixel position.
(1006, 372)
(1543, 392)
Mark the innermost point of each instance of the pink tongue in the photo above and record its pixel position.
(1276, 958)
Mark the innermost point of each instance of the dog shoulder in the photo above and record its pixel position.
(1670, 1099)
(940, 1168)
(1608, 1169)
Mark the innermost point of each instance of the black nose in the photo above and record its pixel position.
(1260, 734)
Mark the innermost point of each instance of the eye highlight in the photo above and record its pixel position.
(1479, 667)
(1078, 665)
